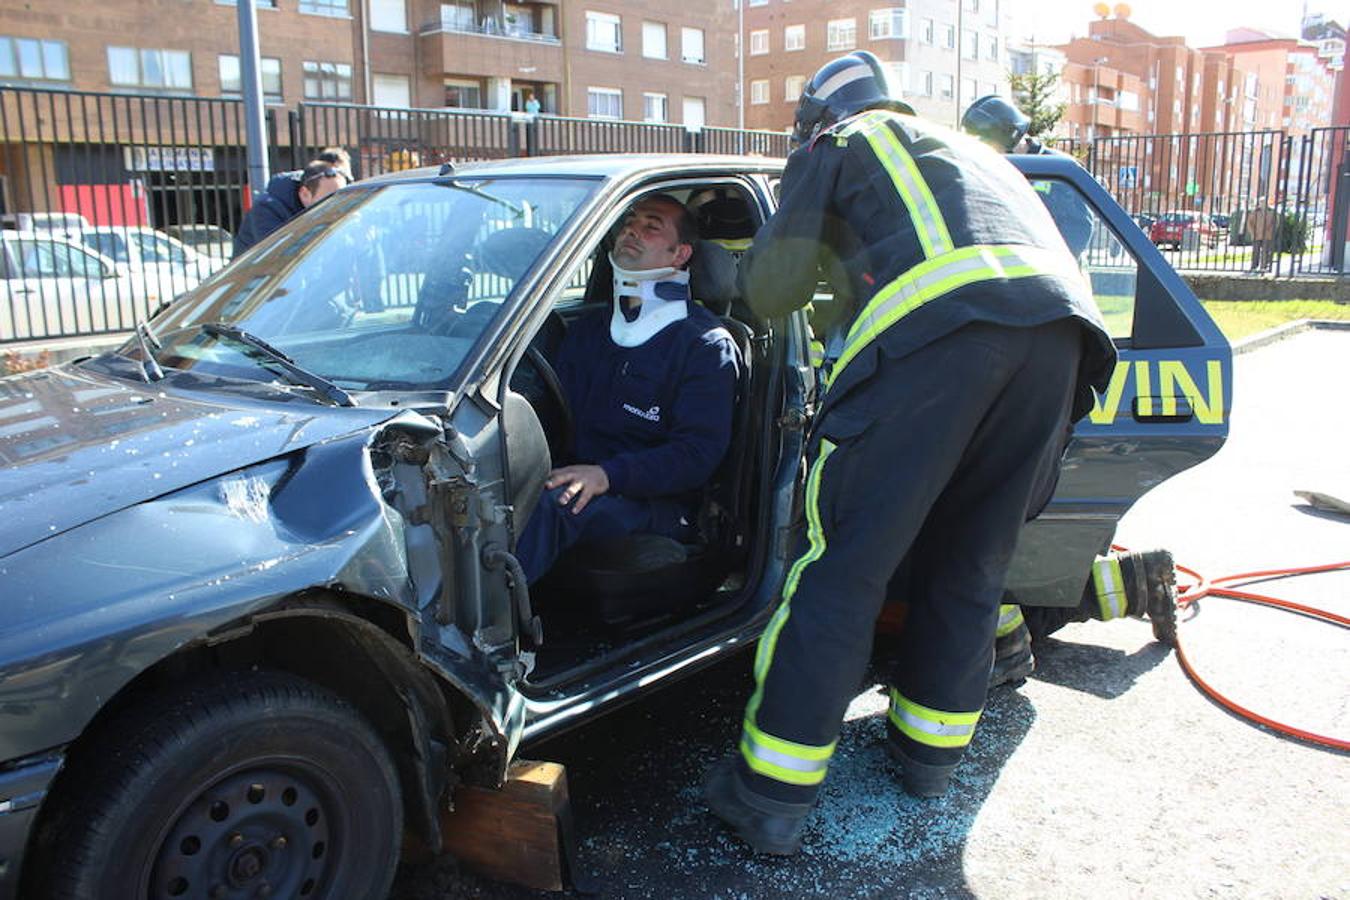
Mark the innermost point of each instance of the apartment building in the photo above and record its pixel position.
(629, 59)
(941, 54)
(1293, 83)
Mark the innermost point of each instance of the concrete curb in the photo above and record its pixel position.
(1287, 330)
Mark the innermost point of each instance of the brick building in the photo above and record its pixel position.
(632, 59)
(942, 54)
(1291, 84)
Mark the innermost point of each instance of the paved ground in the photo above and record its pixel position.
(1107, 774)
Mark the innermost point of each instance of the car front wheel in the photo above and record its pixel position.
(256, 785)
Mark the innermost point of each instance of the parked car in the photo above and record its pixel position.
(52, 285)
(163, 261)
(208, 240)
(260, 614)
(63, 223)
(1172, 228)
(1145, 221)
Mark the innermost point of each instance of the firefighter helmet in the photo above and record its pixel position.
(996, 122)
(841, 88)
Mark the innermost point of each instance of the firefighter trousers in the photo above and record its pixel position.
(938, 452)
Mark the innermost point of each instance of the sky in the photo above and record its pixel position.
(1202, 22)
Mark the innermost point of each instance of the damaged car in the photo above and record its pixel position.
(261, 609)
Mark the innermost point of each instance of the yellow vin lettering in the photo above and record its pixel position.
(1173, 381)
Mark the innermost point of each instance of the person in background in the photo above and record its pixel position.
(290, 193)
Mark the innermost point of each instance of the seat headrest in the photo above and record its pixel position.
(510, 251)
(726, 218)
(712, 277)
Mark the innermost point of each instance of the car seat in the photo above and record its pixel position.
(645, 576)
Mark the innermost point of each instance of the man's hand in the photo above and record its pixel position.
(583, 483)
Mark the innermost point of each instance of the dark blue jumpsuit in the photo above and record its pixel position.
(972, 342)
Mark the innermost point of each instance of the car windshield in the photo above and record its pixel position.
(383, 288)
(111, 245)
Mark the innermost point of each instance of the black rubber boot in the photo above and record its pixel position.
(768, 826)
(1151, 588)
(1013, 660)
(919, 779)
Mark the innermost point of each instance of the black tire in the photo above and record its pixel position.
(216, 789)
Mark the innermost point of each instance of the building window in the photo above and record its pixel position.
(654, 40)
(759, 91)
(949, 36)
(897, 78)
(389, 15)
(947, 87)
(324, 7)
(459, 17)
(260, 4)
(604, 103)
(969, 90)
(927, 31)
(655, 108)
(794, 37)
(691, 46)
(695, 112)
(757, 2)
(131, 67)
(391, 90)
(759, 42)
(926, 84)
(970, 44)
(34, 59)
(604, 32)
(888, 23)
(991, 47)
(841, 34)
(462, 93)
(231, 80)
(327, 80)
(793, 86)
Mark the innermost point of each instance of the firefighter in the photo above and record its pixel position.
(1004, 127)
(1138, 585)
(970, 344)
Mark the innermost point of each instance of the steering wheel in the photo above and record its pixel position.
(542, 388)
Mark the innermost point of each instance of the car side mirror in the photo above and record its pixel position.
(106, 270)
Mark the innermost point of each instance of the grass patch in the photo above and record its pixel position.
(1240, 319)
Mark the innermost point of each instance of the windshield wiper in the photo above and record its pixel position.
(475, 188)
(259, 349)
(146, 339)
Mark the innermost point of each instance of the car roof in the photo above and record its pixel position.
(611, 165)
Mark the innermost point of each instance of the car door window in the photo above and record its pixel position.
(157, 249)
(1104, 258)
(110, 245)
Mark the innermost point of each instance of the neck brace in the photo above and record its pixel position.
(664, 298)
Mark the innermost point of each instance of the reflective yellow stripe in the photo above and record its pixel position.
(817, 354)
(909, 183)
(784, 760)
(933, 278)
(1009, 619)
(931, 726)
(753, 741)
(1109, 585)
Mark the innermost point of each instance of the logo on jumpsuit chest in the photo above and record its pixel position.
(651, 415)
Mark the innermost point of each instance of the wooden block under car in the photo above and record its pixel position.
(517, 833)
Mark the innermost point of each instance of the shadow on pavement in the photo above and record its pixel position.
(644, 832)
(1101, 671)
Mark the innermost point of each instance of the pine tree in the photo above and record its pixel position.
(1034, 94)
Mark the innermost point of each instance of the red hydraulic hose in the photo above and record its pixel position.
(1203, 587)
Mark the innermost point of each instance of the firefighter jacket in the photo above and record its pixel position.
(922, 230)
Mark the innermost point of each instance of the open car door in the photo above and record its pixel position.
(1166, 407)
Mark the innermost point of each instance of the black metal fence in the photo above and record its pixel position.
(1262, 202)
(115, 203)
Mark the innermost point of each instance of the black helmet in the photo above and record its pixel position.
(996, 122)
(840, 88)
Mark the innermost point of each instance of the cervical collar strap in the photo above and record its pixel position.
(664, 298)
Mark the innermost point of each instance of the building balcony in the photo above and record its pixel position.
(485, 50)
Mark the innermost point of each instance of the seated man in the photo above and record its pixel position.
(651, 382)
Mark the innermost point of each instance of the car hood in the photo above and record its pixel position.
(77, 443)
